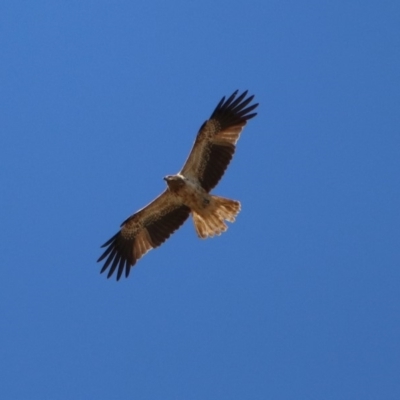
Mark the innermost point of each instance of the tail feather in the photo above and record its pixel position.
(211, 221)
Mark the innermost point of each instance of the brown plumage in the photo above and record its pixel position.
(187, 191)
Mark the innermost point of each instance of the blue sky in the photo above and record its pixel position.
(299, 299)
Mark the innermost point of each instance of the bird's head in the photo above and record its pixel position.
(174, 182)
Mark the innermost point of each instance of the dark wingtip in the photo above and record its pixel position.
(234, 109)
(118, 256)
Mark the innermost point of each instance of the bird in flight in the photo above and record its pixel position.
(187, 192)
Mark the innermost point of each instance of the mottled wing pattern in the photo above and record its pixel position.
(215, 143)
(143, 231)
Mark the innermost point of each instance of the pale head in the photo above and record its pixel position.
(174, 182)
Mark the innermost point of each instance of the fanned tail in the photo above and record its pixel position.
(211, 221)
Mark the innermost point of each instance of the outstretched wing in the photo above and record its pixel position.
(215, 143)
(143, 231)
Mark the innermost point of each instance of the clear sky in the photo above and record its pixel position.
(299, 299)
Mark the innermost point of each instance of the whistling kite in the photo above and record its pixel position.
(187, 192)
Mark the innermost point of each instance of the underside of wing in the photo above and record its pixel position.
(215, 143)
(143, 231)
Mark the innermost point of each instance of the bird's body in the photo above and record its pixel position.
(208, 211)
(188, 192)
